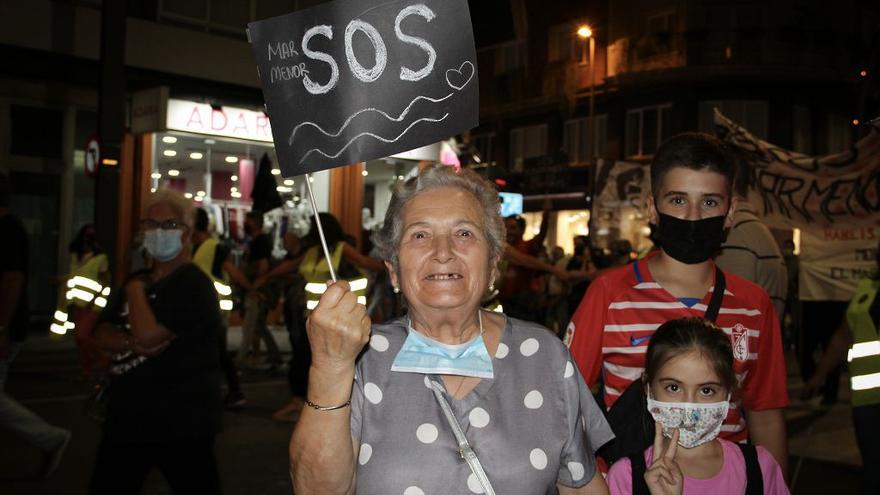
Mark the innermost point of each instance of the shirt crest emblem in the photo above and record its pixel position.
(739, 339)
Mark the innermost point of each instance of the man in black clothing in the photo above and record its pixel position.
(819, 320)
(257, 304)
(13, 328)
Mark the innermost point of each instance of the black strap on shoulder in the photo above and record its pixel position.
(717, 295)
(637, 463)
(754, 477)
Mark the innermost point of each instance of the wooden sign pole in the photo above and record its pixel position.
(320, 229)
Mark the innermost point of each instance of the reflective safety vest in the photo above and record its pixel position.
(82, 290)
(490, 301)
(864, 355)
(494, 305)
(204, 259)
(314, 270)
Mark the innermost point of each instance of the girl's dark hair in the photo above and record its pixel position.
(332, 231)
(78, 244)
(677, 337)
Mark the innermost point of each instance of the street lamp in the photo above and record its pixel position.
(585, 32)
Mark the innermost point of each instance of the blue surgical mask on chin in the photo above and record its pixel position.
(163, 245)
(421, 354)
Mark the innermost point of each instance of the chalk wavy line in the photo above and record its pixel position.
(348, 120)
(380, 138)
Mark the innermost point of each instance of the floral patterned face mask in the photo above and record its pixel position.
(697, 423)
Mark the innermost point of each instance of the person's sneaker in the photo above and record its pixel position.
(234, 400)
(53, 458)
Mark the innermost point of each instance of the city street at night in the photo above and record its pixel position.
(439, 247)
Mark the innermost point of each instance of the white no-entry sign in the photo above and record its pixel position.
(93, 155)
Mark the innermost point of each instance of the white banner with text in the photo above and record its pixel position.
(832, 261)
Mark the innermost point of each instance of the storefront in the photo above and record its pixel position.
(565, 225)
(564, 189)
(213, 155)
(614, 219)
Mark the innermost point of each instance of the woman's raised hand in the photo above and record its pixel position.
(338, 328)
(664, 476)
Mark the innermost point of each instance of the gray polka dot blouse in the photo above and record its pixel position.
(535, 424)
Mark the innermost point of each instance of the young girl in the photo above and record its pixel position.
(690, 379)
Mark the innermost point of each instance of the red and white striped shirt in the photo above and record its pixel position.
(611, 329)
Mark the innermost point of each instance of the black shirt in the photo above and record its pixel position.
(177, 393)
(260, 248)
(14, 257)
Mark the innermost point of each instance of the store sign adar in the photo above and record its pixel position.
(201, 118)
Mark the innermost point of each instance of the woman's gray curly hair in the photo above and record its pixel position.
(387, 239)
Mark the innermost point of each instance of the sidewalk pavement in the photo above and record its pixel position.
(252, 449)
(38, 342)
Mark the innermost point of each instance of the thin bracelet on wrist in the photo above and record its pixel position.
(327, 408)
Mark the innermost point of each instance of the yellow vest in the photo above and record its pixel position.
(864, 355)
(83, 289)
(315, 271)
(204, 259)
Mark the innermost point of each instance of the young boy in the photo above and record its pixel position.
(689, 208)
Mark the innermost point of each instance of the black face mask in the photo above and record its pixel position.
(689, 241)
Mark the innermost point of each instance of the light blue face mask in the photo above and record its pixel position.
(163, 245)
(421, 354)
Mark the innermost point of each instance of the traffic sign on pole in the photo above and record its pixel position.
(93, 156)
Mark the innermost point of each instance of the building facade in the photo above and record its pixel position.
(554, 104)
(187, 93)
(798, 74)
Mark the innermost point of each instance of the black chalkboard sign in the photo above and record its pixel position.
(354, 80)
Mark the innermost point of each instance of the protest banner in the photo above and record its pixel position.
(623, 184)
(619, 206)
(354, 80)
(833, 260)
(793, 190)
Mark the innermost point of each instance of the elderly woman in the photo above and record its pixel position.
(448, 380)
(164, 399)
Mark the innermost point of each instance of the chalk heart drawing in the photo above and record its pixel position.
(459, 78)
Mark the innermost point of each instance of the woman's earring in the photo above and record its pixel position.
(491, 287)
(396, 289)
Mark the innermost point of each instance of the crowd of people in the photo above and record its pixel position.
(602, 372)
